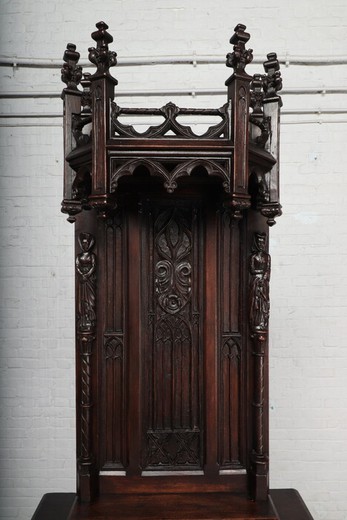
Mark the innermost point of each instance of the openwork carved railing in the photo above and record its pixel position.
(170, 127)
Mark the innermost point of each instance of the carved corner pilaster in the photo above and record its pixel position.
(259, 310)
(85, 338)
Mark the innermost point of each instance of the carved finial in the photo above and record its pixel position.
(86, 100)
(273, 79)
(240, 57)
(257, 116)
(257, 95)
(71, 73)
(102, 57)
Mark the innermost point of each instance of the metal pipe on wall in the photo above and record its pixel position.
(177, 92)
(191, 59)
(293, 112)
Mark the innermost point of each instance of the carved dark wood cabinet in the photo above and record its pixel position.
(172, 285)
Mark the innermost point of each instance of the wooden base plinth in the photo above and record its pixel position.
(283, 504)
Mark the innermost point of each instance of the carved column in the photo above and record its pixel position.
(71, 74)
(259, 308)
(102, 93)
(238, 93)
(85, 335)
(272, 104)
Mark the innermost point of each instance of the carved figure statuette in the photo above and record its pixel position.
(85, 267)
(260, 265)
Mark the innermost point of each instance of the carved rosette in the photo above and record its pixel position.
(259, 308)
(85, 330)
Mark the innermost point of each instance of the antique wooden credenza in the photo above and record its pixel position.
(172, 292)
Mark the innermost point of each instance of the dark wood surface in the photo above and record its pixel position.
(172, 287)
(55, 506)
(288, 505)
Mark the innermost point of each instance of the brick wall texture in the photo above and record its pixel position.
(308, 382)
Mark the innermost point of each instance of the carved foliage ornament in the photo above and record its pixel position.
(174, 448)
(101, 56)
(71, 73)
(173, 271)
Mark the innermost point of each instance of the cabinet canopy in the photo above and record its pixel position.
(103, 144)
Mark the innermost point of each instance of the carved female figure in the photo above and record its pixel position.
(260, 265)
(85, 266)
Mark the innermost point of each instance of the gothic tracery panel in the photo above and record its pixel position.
(173, 430)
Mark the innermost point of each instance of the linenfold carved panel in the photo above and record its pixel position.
(114, 380)
(230, 376)
(231, 355)
(113, 359)
(173, 419)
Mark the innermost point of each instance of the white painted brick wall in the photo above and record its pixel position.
(309, 243)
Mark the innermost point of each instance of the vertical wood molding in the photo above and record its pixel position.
(102, 93)
(238, 92)
(113, 447)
